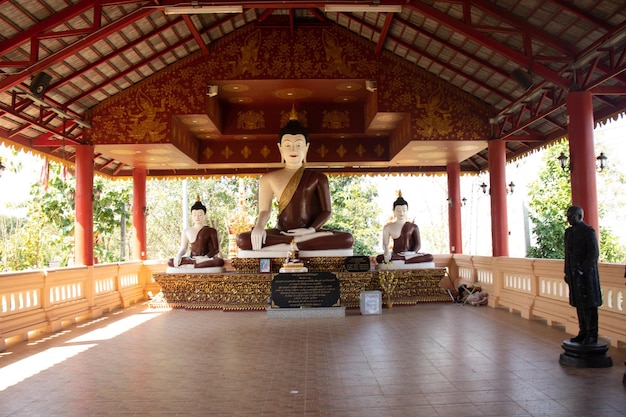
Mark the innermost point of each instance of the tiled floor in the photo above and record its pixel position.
(426, 360)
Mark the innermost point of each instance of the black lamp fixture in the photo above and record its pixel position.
(563, 161)
(2, 168)
(601, 162)
(510, 188)
(451, 202)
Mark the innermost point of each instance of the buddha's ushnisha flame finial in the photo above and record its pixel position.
(399, 193)
(198, 197)
(293, 115)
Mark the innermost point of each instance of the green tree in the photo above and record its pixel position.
(351, 201)
(549, 199)
(220, 195)
(49, 226)
(354, 211)
(110, 207)
(12, 243)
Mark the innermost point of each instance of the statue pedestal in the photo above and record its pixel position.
(293, 268)
(251, 290)
(585, 356)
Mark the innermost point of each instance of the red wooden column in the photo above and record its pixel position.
(497, 177)
(582, 155)
(139, 214)
(454, 207)
(83, 227)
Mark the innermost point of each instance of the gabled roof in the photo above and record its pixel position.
(520, 58)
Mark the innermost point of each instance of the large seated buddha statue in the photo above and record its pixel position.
(304, 206)
(201, 242)
(405, 253)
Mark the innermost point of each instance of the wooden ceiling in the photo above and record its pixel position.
(95, 50)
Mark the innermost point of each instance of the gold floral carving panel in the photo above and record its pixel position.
(143, 113)
(251, 291)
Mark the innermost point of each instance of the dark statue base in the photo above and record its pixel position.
(585, 356)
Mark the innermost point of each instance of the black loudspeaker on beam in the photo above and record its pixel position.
(40, 83)
(523, 78)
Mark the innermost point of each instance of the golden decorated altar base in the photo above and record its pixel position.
(247, 289)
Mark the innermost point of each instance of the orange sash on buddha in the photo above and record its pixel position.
(290, 190)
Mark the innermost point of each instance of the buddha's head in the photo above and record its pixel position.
(400, 208)
(198, 211)
(293, 144)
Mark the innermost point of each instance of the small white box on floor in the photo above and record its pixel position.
(371, 302)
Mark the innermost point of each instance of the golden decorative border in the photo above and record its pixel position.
(251, 291)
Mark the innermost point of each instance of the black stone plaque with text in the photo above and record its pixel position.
(357, 263)
(308, 289)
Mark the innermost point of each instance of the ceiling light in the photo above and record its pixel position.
(211, 90)
(382, 8)
(203, 9)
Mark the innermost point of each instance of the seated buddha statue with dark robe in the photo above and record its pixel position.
(406, 238)
(200, 240)
(303, 200)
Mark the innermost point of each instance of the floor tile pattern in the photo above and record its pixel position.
(438, 359)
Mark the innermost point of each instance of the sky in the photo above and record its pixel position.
(22, 170)
(426, 195)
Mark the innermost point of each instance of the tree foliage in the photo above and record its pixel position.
(46, 236)
(549, 199)
(227, 198)
(13, 242)
(112, 201)
(354, 211)
(220, 196)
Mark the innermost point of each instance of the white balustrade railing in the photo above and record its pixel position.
(555, 288)
(20, 292)
(49, 300)
(536, 289)
(484, 277)
(517, 282)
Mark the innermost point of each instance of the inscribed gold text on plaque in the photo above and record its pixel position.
(317, 289)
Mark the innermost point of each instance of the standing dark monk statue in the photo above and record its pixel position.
(303, 202)
(581, 275)
(406, 238)
(201, 240)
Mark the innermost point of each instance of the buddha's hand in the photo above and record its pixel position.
(257, 238)
(177, 260)
(386, 256)
(299, 232)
